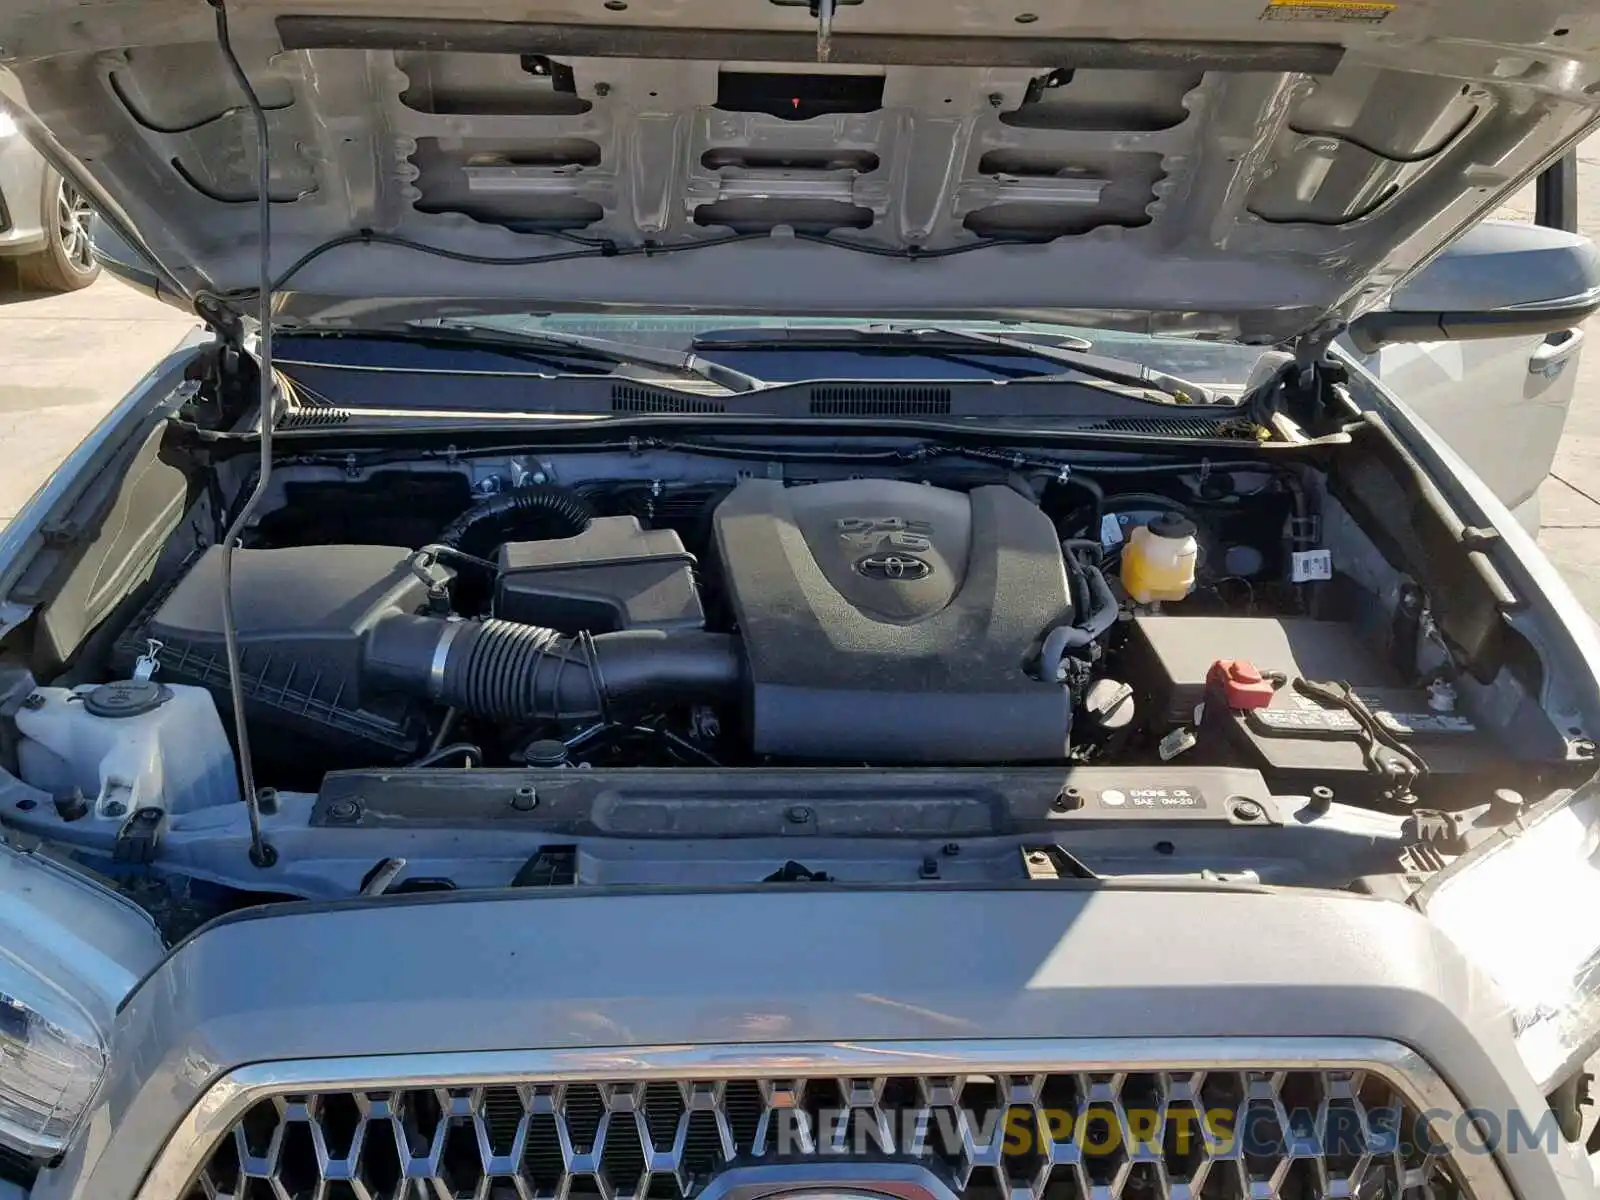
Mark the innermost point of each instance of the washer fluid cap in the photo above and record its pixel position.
(126, 698)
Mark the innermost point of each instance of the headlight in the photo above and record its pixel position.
(70, 952)
(8, 127)
(52, 1060)
(1526, 908)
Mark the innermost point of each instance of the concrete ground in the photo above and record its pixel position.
(65, 360)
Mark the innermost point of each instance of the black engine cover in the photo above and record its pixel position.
(891, 622)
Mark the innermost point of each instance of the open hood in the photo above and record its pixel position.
(1251, 168)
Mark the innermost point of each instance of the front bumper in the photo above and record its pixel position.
(440, 988)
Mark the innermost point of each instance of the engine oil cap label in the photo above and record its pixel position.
(1145, 799)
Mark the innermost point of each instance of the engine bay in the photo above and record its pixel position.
(870, 663)
(861, 621)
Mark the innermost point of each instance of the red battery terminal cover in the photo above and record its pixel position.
(1238, 682)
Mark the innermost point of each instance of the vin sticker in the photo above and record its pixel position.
(1148, 799)
(1307, 566)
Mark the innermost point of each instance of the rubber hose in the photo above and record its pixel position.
(1077, 586)
(500, 515)
(1103, 615)
(1080, 548)
(515, 672)
(1096, 506)
(1100, 617)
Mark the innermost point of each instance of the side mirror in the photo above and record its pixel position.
(1499, 279)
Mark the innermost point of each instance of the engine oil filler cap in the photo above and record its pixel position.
(126, 698)
(1239, 683)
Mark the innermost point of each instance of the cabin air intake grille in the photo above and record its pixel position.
(858, 401)
(310, 417)
(1204, 427)
(1145, 1134)
(629, 398)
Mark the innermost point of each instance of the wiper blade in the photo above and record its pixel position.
(944, 342)
(1122, 371)
(1058, 341)
(580, 347)
(886, 334)
(924, 343)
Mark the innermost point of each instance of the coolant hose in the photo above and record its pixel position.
(490, 522)
(514, 672)
(1102, 615)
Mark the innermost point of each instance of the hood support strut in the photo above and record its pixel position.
(262, 853)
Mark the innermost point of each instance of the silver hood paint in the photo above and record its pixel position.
(1256, 168)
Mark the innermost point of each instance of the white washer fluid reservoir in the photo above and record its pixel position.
(128, 745)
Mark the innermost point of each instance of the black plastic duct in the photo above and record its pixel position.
(516, 672)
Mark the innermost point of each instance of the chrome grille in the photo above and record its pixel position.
(1297, 1131)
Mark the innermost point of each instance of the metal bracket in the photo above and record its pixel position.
(1311, 347)
(1050, 862)
(824, 30)
(220, 318)
(559, 74)
(1305, 531)
(1039, 84)
(139, 836)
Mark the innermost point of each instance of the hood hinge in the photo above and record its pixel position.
(1311, 348)
(225, 322)
(1299, 387)
(229, 368)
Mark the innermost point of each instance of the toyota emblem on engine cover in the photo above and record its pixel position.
(893, 566)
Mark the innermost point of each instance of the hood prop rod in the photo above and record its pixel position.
(262, 853)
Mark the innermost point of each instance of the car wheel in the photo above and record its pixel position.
(67, 263)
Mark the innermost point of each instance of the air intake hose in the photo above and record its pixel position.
(516, 672)
(552, 511)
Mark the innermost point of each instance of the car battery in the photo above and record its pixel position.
(1287, 733)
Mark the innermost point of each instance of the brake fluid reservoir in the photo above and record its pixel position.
(1158, 561)
(127, 745)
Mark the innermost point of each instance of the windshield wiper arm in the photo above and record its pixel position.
(925, 343)
(944, 342)
(581, 346)
(1057, 341)
(1113, 370)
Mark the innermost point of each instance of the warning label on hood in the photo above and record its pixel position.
(1368, 12)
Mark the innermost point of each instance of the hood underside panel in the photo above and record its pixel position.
(1249, 167)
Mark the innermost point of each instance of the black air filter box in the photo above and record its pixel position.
(614, 575)
(301, 615)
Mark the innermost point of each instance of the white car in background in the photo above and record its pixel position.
(44, 220)
(1501, 402)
